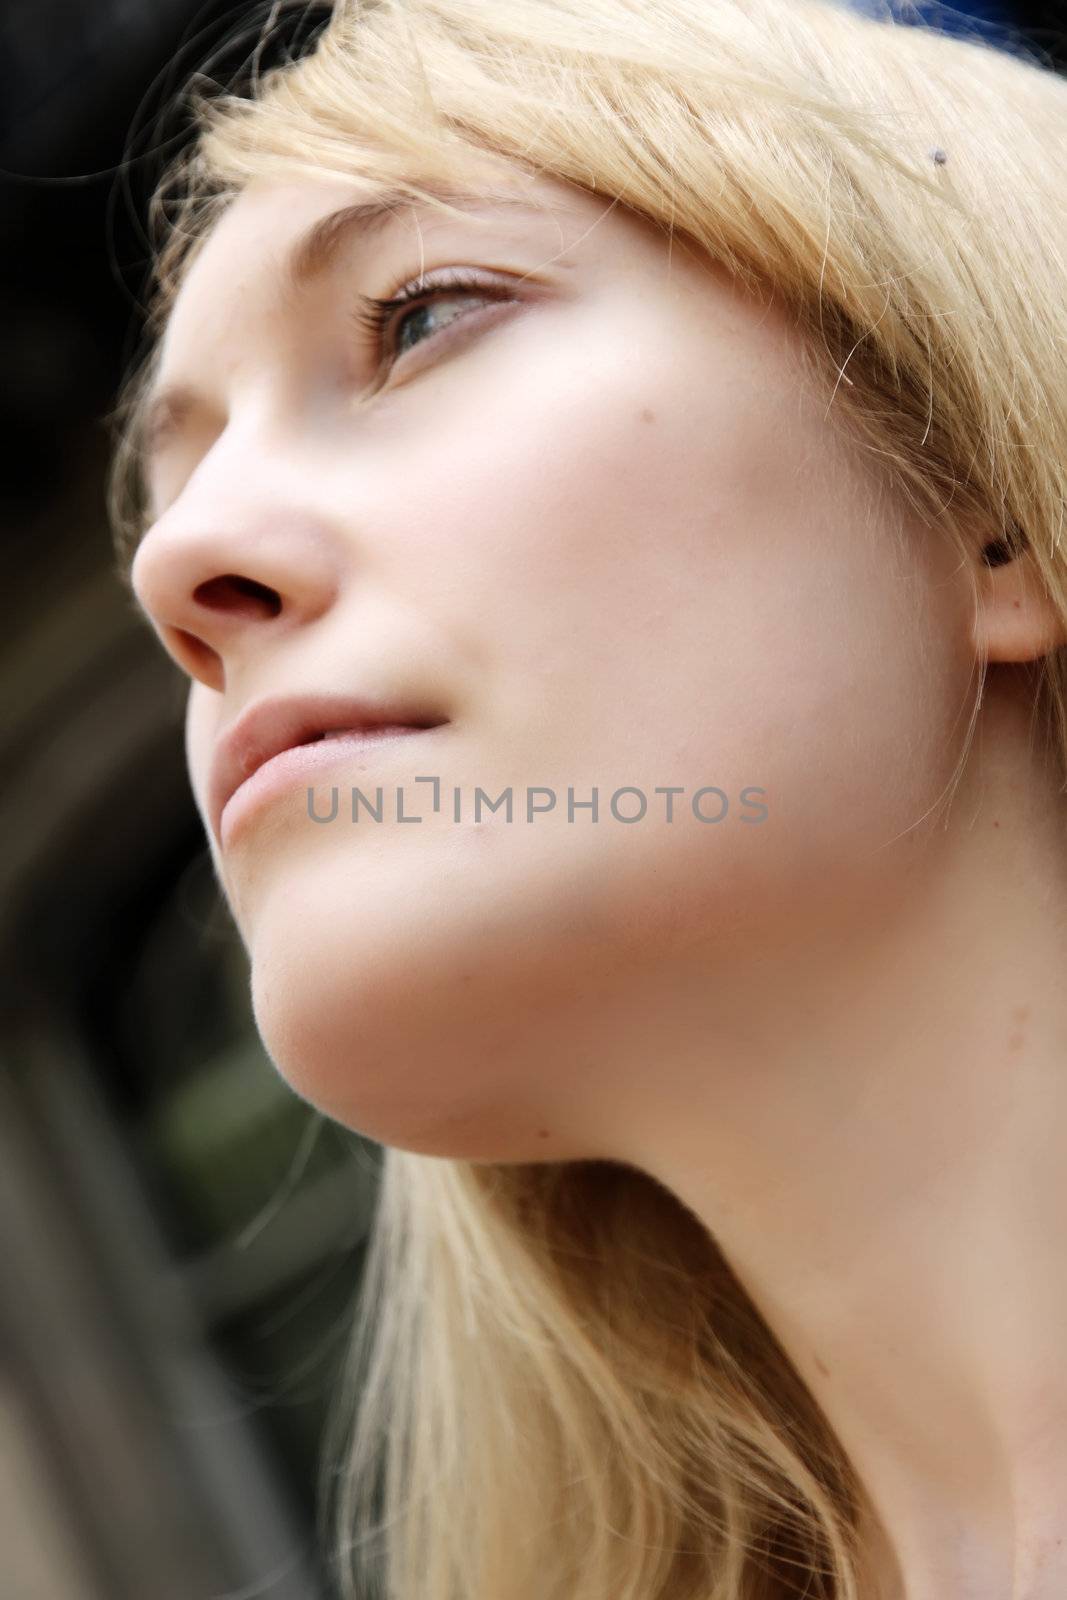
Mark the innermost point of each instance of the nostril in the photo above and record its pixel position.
(242, 597)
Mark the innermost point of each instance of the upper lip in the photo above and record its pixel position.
(270, 726)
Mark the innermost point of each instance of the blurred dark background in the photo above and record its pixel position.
(181, 1237)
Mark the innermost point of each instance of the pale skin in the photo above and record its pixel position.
(607, 533)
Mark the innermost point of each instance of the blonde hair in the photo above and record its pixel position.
(557, 1387)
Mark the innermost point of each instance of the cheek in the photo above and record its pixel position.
(424, 985)
(676, 579)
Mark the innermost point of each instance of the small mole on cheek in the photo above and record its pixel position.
(647, 414)
(1016, 604)
(542, 1133)
(996, 824)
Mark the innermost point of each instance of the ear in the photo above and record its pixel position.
(1016, 619)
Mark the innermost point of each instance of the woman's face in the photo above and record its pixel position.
(600, 527)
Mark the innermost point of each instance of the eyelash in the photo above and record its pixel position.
(374, 315)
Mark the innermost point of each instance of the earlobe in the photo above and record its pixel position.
(1016, 619)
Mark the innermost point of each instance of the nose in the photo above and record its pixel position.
(219, 592)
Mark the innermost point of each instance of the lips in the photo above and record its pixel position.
(266, 729)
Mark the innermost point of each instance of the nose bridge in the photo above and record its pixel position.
(234, 564)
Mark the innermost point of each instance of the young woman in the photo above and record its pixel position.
(602, 466)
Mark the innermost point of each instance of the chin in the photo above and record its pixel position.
(404, 1005)
(428, 1063)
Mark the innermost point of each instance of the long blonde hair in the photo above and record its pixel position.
(556, 1385)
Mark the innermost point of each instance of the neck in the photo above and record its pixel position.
(885, 1167)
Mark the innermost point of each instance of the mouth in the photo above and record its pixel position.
(274, 742)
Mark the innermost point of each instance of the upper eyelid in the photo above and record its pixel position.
(435, 283)
(462, 278)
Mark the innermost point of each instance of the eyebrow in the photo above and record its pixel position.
(168, 408)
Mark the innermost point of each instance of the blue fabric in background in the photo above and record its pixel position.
(995, 21)
(980, 11)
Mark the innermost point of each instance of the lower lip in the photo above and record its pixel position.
(302, 763)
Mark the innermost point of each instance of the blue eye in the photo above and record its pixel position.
(393, 322)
